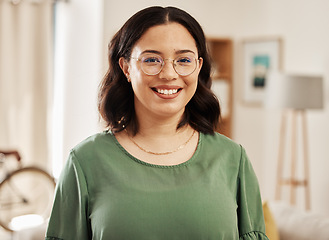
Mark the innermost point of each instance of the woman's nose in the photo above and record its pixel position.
(168, 71)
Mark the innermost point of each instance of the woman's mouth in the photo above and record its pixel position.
(166, 91)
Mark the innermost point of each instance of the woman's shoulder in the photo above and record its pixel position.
(219, 140)
(218, 146)
(95, 143)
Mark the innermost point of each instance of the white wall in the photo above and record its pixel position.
(303, 26)
(78, 70)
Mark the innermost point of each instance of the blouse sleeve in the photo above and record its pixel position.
(69, 218)
(250, 211)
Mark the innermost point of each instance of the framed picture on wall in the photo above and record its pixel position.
(260, 56)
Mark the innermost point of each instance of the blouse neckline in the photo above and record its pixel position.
(194, 156)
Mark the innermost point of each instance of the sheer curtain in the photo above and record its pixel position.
(25, 77)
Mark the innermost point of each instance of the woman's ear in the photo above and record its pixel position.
(124, 65)
(200, 63)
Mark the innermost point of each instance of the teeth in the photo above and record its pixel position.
(167, 92)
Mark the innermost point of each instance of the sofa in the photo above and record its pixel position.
(285, 222)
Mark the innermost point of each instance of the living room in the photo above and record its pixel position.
(84, 28)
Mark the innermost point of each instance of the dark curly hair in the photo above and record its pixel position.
(116, 96)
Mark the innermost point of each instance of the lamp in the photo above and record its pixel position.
(294, 94)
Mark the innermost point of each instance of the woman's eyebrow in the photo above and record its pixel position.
(185, 51)
(150, 51)
(176, 52)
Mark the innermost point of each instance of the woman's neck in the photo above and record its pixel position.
(159, 126)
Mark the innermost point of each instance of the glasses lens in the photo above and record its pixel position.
(185, 65)
(151, 64)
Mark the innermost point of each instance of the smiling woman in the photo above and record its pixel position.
(151, 93)
(202, 112)
(160, 171)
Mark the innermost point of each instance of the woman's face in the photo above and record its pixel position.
(166, 93)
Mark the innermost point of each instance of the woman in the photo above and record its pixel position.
(161, 171)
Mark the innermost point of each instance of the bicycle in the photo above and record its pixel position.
(26, 195)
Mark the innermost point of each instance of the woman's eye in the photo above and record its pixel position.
(152, 60)
(184, 60)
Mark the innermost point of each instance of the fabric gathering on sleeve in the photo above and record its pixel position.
(254, 236)
(250, 213)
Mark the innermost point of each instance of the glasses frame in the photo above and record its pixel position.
(164, 62)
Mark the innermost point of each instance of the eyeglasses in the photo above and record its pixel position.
(152, 64)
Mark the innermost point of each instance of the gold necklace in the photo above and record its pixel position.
(160, 153)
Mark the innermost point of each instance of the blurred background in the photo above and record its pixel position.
(53, 54)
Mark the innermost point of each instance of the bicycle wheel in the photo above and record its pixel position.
(26, 194)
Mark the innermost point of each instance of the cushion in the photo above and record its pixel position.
(297, 224)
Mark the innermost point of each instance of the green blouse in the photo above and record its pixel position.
(104, 193)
